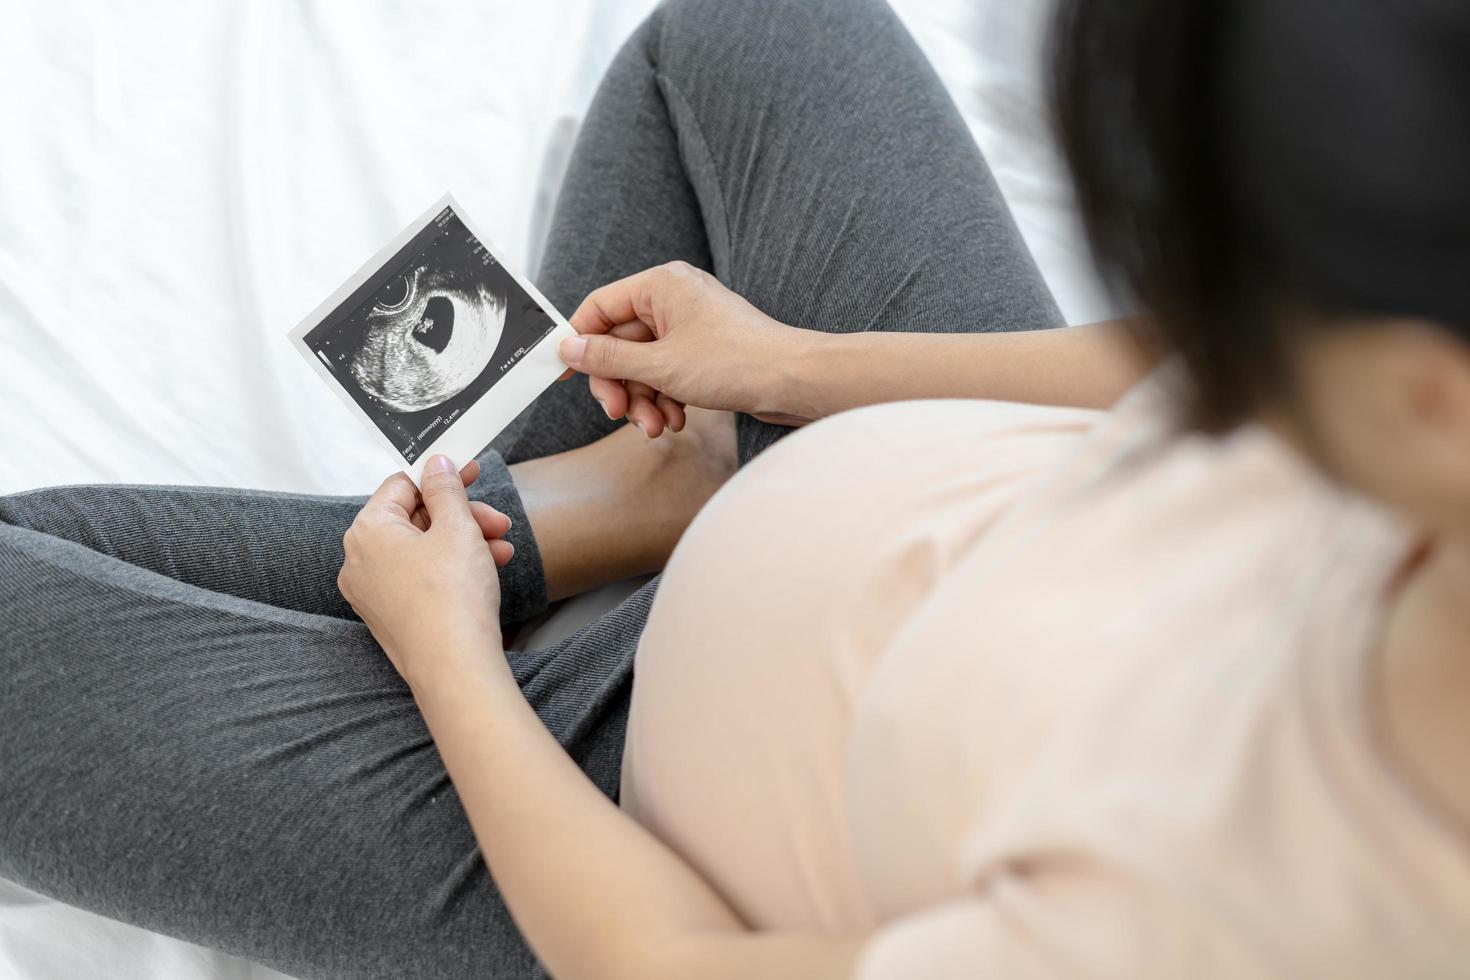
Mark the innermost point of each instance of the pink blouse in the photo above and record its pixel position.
(1041, 692)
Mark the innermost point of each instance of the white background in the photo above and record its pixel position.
(181, 182)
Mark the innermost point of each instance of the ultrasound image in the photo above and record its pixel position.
(434, 329)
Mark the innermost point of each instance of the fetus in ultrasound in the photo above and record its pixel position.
(431, 331)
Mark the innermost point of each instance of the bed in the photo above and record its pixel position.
(180, 183)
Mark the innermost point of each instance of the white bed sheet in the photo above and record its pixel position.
(180, 183)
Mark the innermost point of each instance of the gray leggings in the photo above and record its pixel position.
(196, 734)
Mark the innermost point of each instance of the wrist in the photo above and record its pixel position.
(443, 659)
(792, 378)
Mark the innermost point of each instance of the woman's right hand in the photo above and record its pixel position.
(674, 335)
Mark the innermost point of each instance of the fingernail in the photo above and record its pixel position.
(439, 464)
(572, 349)
(605, 410)
(640, 427)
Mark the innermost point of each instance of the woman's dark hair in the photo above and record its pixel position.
(1238, 162)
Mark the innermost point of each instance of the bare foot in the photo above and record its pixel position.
(699, 459)
(617, 507)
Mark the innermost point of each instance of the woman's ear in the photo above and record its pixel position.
(1431, 370)
(1385, 406)
(1435, 369)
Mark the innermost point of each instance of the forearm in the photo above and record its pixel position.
(1085, 366)
(595, 894)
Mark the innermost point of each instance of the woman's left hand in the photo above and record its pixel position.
(420, 567)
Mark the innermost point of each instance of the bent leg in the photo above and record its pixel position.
(280, 549)
(805, 153)
(255, 778)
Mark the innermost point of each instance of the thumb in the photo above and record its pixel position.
(602, 356)
(443, 492)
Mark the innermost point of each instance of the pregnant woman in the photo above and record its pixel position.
(953, 688)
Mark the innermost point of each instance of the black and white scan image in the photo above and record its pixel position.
(428, 334)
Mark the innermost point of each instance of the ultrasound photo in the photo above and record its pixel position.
(428, 333)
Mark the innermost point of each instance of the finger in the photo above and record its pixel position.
(635, 330)
(611, 395)
(396, 497)
(612, 357)
(502, 551)
(619, 302)
(444, 496)
(671, 410)
(646, 416)
(493, 524)
(566, 375)
(642, 411)
(469, 473)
